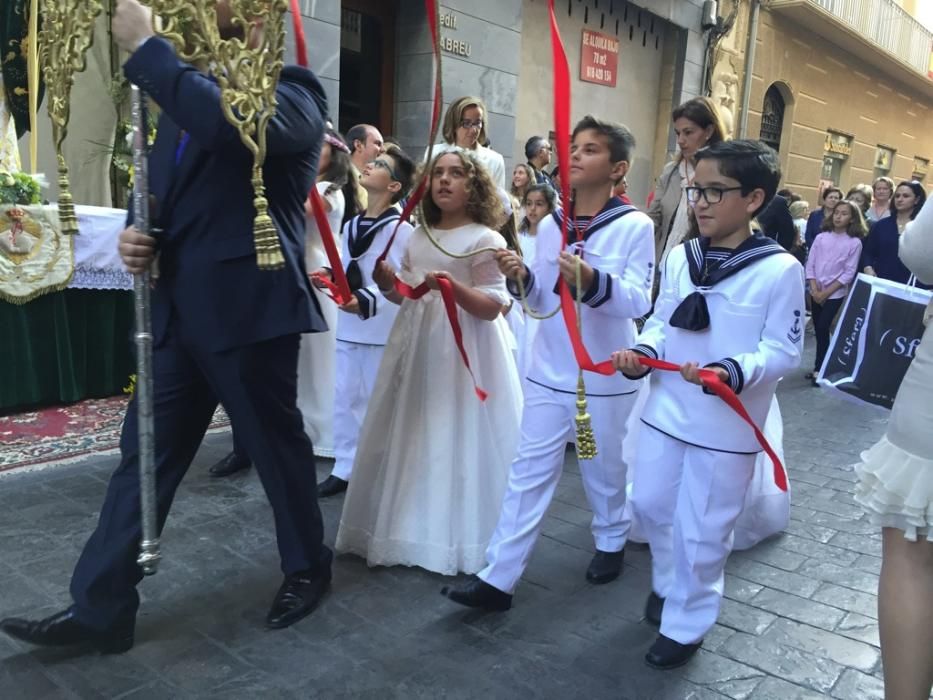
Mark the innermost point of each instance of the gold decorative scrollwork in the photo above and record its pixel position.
(66, 35)
(247, 71)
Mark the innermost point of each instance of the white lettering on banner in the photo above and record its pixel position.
(853, 336)
(903, 346)
(449, 44)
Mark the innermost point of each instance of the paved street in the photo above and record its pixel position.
(799, 619)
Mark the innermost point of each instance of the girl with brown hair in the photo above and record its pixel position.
(433, 460)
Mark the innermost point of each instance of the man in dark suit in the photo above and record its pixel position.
(222, 329)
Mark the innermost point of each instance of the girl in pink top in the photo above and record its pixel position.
(831, 267)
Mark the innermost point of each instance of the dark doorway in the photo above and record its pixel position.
(772, 118)
(367, 64)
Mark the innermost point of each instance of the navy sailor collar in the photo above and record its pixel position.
(692, 313)
(613, 209)
(359, 244)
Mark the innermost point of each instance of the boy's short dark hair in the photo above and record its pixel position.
(753, 164)
(621, 140)
(404, 170)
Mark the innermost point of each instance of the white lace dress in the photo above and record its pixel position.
(896, 474)
(433, 460)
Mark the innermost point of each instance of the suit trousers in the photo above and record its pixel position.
(547, 426)
(687, 499)
(257, 385)
(357, 367)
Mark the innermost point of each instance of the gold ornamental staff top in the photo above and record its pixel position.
(247, 71)
(66, 35)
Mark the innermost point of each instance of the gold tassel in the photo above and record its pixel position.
(66, 208)
(268, 249)
(586, 442)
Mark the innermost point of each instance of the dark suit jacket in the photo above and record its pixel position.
(209, 280)
(777, 223)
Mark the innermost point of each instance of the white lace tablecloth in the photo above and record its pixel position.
(97, 261)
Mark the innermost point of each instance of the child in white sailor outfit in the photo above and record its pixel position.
(363, 328)
(617, 250)
(734, 303)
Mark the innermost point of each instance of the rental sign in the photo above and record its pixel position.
(599, 58)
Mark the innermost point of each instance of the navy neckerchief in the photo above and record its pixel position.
(693, 313)
(359, 242)
(613, 209)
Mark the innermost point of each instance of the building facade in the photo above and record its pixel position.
(841, 89)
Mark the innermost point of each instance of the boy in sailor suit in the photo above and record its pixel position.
(616, 244)
(733, 303)
(364, 326)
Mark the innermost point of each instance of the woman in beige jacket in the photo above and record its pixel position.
(696, 124)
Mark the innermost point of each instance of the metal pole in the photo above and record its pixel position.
(149, 554)
(749, 66)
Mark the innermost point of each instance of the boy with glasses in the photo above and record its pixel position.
(733, 303)
(363, 328)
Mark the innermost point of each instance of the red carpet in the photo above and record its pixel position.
(65, 434)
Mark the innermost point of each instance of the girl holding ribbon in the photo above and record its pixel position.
(433, 460)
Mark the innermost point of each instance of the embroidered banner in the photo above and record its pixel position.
(35, 258)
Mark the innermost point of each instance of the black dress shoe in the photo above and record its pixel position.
(231, 464)
(331, 486)
(63, 630)
(605, 566)
(476, 593)
(666, 654)
(297, 598)
(654, 608)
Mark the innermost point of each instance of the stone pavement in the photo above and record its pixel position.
(798, 621)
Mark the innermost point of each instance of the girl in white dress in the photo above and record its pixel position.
(433, 459)
(317, 354)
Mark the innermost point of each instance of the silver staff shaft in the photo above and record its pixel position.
(149, 554)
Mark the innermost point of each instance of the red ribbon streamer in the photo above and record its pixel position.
(301, 46)
(450, 305)
(339, 288)
(709, 378)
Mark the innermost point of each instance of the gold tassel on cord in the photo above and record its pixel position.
(66, 208)
(586, 443)
(268, 249)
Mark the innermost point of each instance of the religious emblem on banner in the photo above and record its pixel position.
(35, 258)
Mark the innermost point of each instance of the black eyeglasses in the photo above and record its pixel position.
(712, 195)
(385, 165)
(467, 124)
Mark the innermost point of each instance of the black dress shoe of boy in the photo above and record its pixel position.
(63, 630)
(229, 465)
(331, 486)
(297, 598)
(605, 566)
(476, 593)
(666, 654)
(653, 609)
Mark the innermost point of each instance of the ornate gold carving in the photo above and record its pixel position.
(247, 71)
(66, 35)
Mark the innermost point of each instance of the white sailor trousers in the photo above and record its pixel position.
(357, 367)
(547, 426)
(688, 499)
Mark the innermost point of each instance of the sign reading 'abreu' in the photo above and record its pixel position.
(449, 44)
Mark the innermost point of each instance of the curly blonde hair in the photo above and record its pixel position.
(483, 204)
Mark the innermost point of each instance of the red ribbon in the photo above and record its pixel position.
(339, 287)
(709, 378)
(450, 305)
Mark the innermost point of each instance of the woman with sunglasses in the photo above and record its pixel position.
(465, 127)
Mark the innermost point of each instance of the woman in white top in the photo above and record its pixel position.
(465, 127)
(896, 488)
(318, 351)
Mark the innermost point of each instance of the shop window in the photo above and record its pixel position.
(836, 151)
(884, 161)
